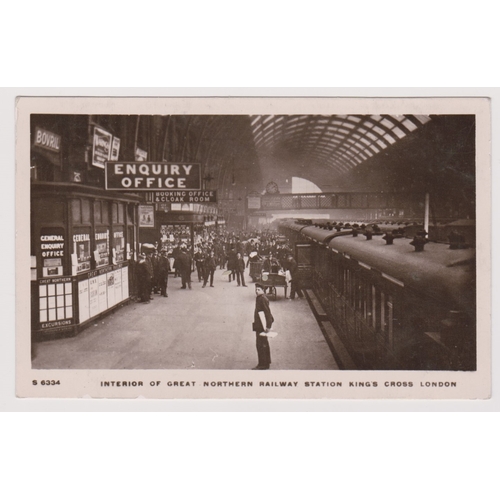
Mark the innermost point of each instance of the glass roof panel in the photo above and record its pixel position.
(423, 119)
(389, 138)
(255, 120)
(387, 123)
(409, 125)
(399, 132)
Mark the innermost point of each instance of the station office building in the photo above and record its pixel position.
(83, 237)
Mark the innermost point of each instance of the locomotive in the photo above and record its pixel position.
(397, 299)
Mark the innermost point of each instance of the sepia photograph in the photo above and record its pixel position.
(253, 247)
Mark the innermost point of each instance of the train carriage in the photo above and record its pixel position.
(393, 307)
(401, 309)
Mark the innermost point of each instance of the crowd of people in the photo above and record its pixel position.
(217, 248)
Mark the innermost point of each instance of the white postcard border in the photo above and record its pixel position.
(85, 383)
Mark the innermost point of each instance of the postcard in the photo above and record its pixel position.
(253, 248)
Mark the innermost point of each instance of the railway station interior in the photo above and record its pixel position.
(359, 230)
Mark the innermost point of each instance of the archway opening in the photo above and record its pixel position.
(300, 185)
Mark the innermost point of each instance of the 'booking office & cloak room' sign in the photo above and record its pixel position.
(151, 176)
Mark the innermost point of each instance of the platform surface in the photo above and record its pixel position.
(201, 328)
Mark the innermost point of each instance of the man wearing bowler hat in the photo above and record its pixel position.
(262, 322)
(163, 270)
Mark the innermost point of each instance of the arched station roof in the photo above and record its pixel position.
(340, 142)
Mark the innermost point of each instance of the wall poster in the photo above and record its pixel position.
(102, 247)
(94, 296)
(81, 248)
(102, 285)
(101, 147)
(110, 288)
(146, 216)
(119, 246)
(83, 300)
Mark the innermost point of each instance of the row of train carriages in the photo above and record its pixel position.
(397, 297)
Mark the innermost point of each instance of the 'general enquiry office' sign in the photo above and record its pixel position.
(151, 176)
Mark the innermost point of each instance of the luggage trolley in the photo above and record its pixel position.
(271, 282)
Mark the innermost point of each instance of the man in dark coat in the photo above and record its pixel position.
(163, 270)
(199, 258)
(185, 265)
(150, 267)
(262, 322)
(296, 288)
(175, 254)
(231, 264)
(240, 269)
(143, 280)
(154, 262)
(209, 267)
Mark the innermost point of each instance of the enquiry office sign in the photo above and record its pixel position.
(152, 176)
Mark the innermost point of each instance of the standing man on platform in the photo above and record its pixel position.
(186, 265)
(143, 280)
(163, 270)
(294, 274)
(262, 322)
(199, 258)
(209, 268)
(150, 267)
(240, 269)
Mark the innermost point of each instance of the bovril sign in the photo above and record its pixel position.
(47, 140)
(151, 176)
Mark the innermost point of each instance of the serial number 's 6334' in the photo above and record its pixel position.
(47, 382)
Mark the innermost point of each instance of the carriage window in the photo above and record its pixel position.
(304, 255)
(390, 318)
(382, 312)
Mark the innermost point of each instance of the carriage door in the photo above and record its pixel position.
(303, 256)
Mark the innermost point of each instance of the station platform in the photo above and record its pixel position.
(201, 328)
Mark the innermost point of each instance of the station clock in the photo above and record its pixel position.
(272, 188)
